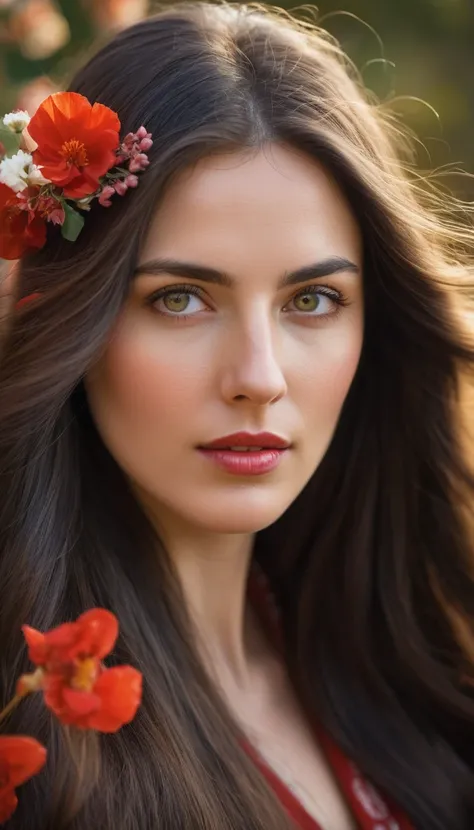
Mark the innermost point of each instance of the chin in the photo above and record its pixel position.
(243, 515)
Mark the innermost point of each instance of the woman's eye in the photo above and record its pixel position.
(316, 301)
(177, 302)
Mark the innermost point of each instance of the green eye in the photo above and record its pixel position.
(307, 302)
(177, 301)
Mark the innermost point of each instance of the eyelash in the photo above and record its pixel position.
(325, 290)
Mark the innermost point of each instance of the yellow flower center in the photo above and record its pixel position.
(74, 152)
(85, 674)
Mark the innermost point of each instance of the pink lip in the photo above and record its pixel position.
(267, 440)
(267, 455)
(253, 463)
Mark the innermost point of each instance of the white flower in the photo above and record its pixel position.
(16, 121)
(35, 176)
(14, 171)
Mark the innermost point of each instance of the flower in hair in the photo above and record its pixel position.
(76, 142)
(16, 121)
(75, 684)
(21, 757)
(19, 171)
(70, 153)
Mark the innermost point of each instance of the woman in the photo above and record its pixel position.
(300, 611)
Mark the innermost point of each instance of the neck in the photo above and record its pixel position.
(213, 571)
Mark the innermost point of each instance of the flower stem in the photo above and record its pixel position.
(10, 706)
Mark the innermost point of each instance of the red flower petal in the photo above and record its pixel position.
(120, 692)
(99, 629)
(8, 803)
(35, 640)
(21, 757)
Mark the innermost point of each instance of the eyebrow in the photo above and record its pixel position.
(203, 273)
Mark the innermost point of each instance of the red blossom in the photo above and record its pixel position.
(76, 685)
(20, 227)
(21, 757)
(77, 142)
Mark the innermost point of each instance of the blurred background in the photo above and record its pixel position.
(418, 55)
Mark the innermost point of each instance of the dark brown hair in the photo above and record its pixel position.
(372, 563)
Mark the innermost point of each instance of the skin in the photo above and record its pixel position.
(250, 357)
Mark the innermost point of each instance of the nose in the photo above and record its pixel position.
(251, 370)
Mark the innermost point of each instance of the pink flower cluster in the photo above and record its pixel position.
(38, 204)
(133, 153)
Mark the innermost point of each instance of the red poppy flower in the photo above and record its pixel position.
(20, 758)
(20, 229)
(76, 686)
(76, 142)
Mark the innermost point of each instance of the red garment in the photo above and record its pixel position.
(369, 809)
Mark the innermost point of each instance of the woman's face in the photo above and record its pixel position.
(246, 314)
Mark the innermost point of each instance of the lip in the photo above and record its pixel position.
(243, 463)
(265, 440)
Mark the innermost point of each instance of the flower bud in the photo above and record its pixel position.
(104, 198)
(129, 140)
(142, 132)
(139, 162)
(121, 188)
(145, 144)
(131, 181)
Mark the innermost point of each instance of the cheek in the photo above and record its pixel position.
(321, 383)
(139, 384)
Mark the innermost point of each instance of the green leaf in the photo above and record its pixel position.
(73, 223)
(10, 140)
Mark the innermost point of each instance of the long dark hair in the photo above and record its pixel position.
(372, 563)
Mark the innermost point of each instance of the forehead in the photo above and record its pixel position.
(252, 208)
